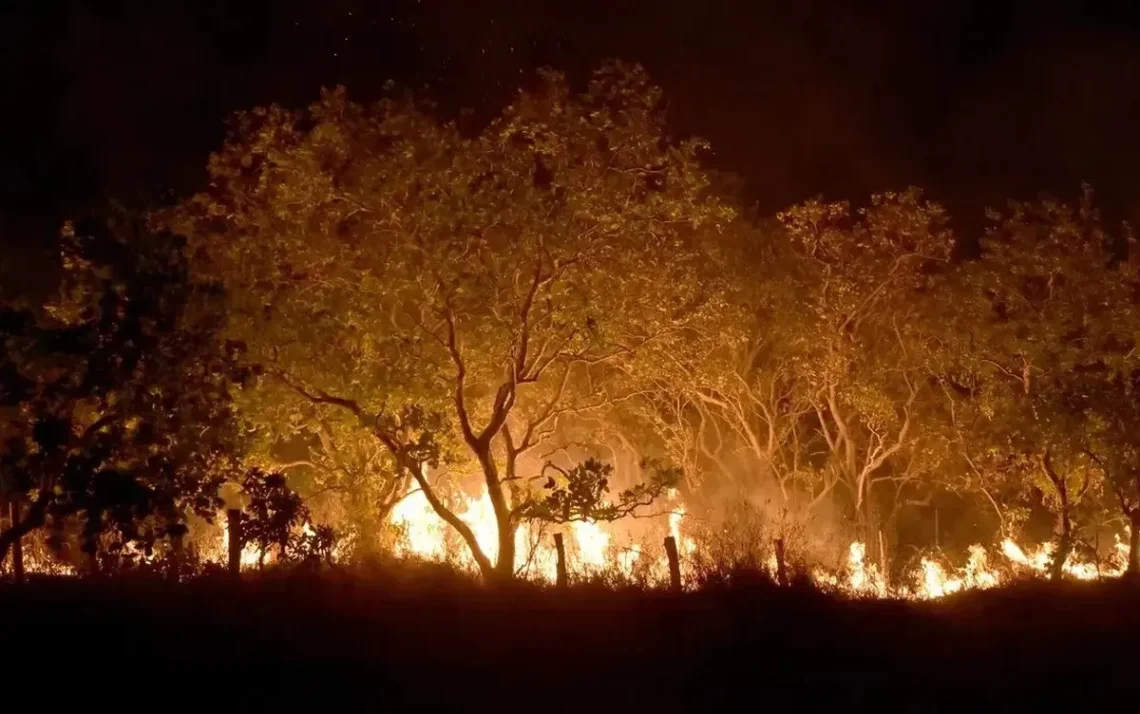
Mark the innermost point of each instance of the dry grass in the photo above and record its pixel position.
(427, 634)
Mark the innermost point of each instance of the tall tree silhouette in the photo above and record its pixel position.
(115, 406)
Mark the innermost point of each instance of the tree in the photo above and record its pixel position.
(1111, 413)
(461, 297)
(860, 353)
(276, 517)
(1049, 320)
(344, 473)
(732, 410)
(115, 399)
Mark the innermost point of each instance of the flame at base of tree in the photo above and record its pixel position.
(933, 579)
(593, 550)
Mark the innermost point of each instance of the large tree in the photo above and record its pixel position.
(459, 297)
(860, 354)
(115, 406)
(1046, 337)
(733, 410)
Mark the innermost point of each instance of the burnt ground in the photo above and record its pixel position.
(301, 641)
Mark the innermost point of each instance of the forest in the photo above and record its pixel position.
(375, 328)
(531, 352)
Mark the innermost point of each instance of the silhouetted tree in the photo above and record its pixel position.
(275, 516)
(115, 408)
(273, 512)
(581, 493)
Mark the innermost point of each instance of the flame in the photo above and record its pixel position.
(590, 547)
(592, 543)
(250, 554)
(863, 578)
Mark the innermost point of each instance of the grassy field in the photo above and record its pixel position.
(438, 643)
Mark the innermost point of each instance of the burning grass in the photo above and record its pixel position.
(738, 548)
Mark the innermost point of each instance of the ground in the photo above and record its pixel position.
(289, 641)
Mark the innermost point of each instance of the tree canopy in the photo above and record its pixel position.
(117, 418)
(459, 297)
(435, 309)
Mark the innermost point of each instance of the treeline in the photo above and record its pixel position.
(565, 308)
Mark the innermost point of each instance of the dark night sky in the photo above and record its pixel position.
(973, 100)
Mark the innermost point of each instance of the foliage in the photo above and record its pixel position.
(276, 517)
(563, 309)
(115, 408)
(579, 493)
(862, 353)
(1050, 317)
(503, 284)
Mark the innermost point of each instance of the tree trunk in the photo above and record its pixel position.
(486, 568)
(781, 564)
(674, 563)
(561, 550)
(233, 518)
(177, 556)
(883, 567)
(1064, 547)
(505, 563)
(1134, 543)
(32, 520)
(1065, 543)
(17, 545)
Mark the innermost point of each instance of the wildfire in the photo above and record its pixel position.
(936, 582)
(219, 553)
(933, 579)
(861, 579)
(590, 547)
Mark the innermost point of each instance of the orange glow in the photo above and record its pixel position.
(592, 549)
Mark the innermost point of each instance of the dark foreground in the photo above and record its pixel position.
(295, 642)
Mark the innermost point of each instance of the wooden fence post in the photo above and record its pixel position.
(781, 563)
(17, 545)
(674, 563)
(237, 540)
(177, 553)
(883, 559)
(561, 550)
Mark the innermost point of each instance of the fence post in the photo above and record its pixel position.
(177, 552)
(237, 540)
(17, 545)
(883, 559)
(781, 563)
(561, 550)
(674, 563)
